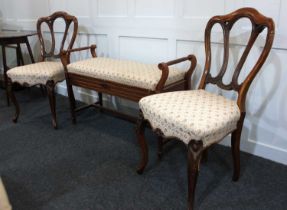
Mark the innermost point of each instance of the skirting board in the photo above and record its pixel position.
(247, 145)
(260, 149)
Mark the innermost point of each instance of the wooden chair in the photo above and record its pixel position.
(47, 73)
(198, 118)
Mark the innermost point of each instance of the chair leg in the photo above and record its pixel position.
(235, 146)
(7, 93)
(50, 86)
(5, 73)
(13, 99)
(159, 147)
(100, 98)
(71, 100)
(195, 149)
(141, 139)
(204, 158)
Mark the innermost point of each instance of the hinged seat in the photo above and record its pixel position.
(130, 80)
(131, 73)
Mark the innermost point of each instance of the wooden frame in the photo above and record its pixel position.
(45, 54)
(118, 89)
(195, 148)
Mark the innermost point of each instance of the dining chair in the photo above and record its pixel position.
(199, 118)
(49, 71)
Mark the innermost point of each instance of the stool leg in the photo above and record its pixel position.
(100, 98)
(71, 99)
(13, 99)
(50, 85)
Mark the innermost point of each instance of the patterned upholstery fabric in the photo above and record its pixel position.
(130, 73)
(4, 201)
(195, 114)
(37, 73)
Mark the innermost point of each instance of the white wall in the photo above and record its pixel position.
(159, 30)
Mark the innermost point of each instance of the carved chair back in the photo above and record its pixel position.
(259, 23)
(70, 21)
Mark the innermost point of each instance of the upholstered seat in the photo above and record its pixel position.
(198, 115)
(126, 72)
(37, 73)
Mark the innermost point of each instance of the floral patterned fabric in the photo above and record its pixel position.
(130, 73)
(191, 115)
(37, 73)
(4, 201)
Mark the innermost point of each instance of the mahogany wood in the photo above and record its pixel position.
(50, 85)
(70, 21)
(195, 148)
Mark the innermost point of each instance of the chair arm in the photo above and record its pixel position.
(165, 70)
(65, 54)
(92, 48)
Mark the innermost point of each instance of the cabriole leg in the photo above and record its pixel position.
(195, 149)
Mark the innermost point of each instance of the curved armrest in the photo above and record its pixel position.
(65, 54)
(92, 48)
(165, 70)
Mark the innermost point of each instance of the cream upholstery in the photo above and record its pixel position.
(130, 73)
(4, 202)
(195, 114)
(37, 73)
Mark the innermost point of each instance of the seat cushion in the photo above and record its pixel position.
(130, 73)
(191, 115)
(37, 73)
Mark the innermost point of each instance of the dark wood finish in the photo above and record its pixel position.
(235, 147)
(118, 89)
(7, 40)
(70, 21)
(50, 20)
(13, 100)
(259, 23)
(50, 86)
(140, 128)
(195, 148)
(194, 153)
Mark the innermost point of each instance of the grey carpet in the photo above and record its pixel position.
(91, 165)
